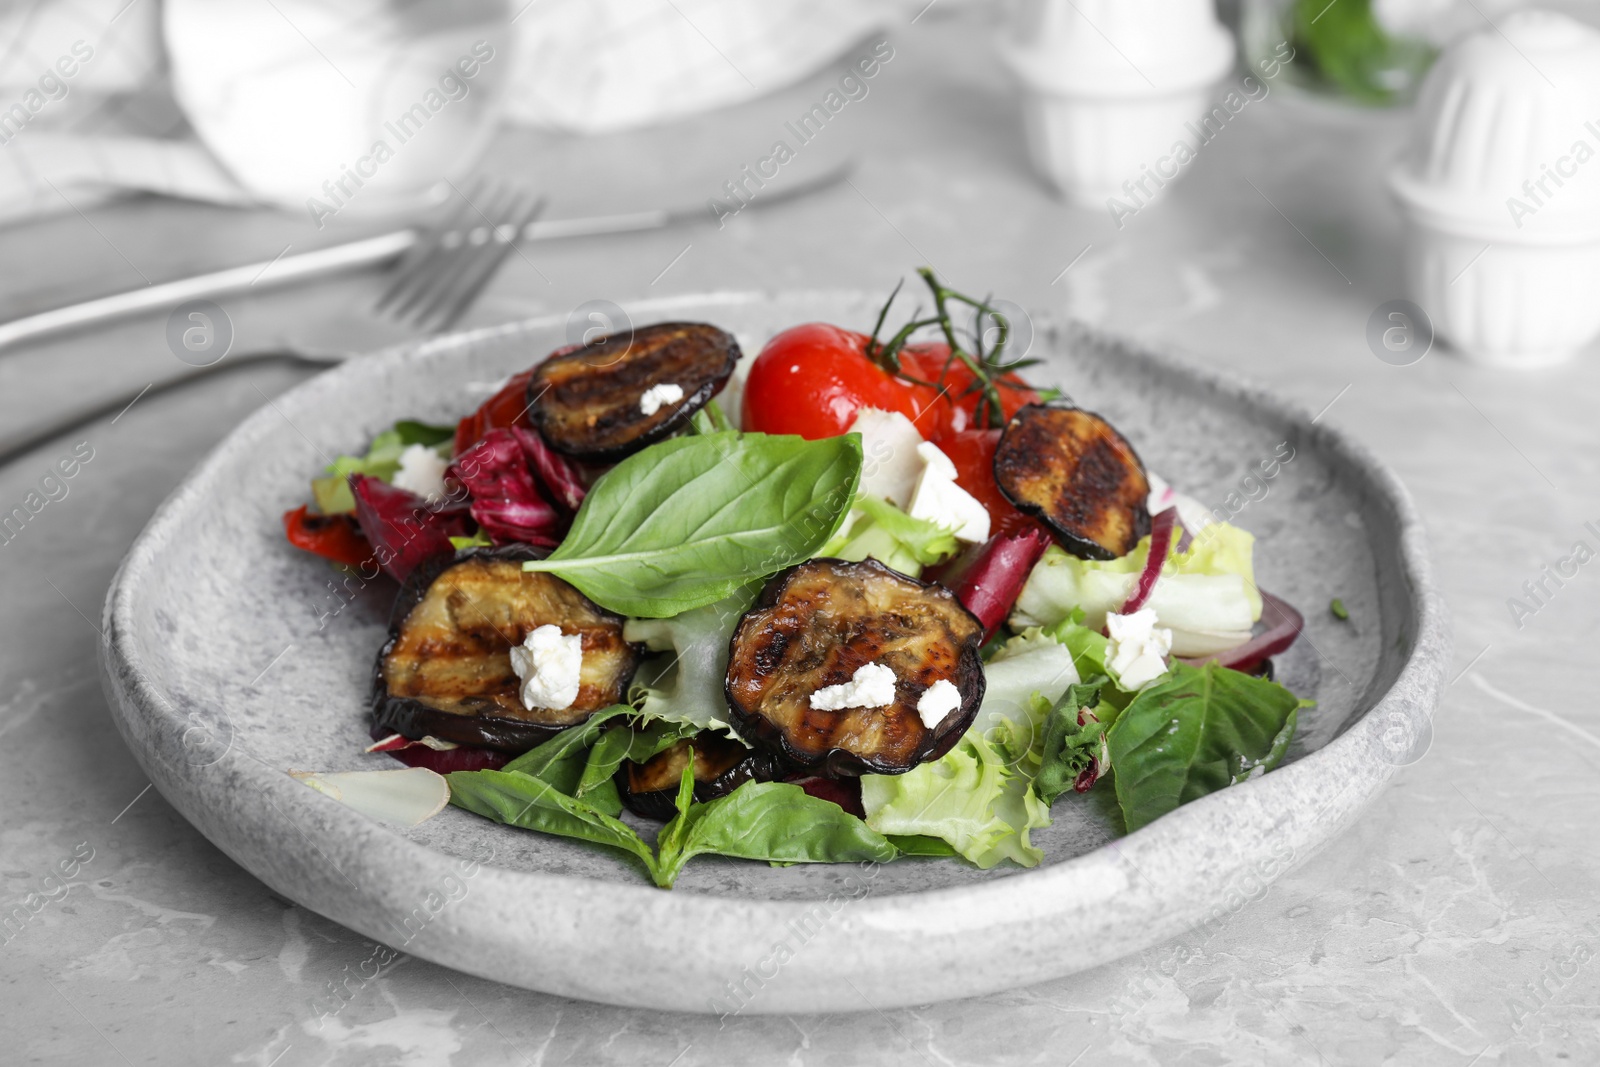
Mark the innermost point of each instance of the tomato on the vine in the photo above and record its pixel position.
(811, 380)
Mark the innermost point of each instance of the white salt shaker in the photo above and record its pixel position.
(1110, 86)
(1500, 187)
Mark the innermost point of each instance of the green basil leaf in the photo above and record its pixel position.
(772, 821)
(560, 761)
(1198, 731)
(688, 521)
(519, 800)
(621, 743)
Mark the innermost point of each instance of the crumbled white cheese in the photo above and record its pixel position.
(872, 686)
(549, 663)
(889, 460)
(1138, 648)
(938, 499)
(937, 701)
(658, 395)
(421, 472)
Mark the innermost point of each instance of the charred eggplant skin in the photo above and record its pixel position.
(815, 625)
(1074, 471)
(721, 765)
(586, 401)
(455, 682)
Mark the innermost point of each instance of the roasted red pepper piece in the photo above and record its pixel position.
(334, 537)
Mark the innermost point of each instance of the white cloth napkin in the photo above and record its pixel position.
(111, 126)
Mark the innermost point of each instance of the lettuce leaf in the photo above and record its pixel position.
(1031, 664)
(687, 686)
(974, 797)
(382, 461)
(1199, 730)
(890, 536)
(1206, 595)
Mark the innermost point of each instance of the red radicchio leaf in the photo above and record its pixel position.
(404, 529)
(505, 500)
(440, 761)
(556, 473)
(988, 578)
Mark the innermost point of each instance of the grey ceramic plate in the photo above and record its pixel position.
(232, 658)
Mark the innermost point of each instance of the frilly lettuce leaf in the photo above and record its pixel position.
(1029, 665)
(974, 797)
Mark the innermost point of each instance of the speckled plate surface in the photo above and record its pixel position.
(231, 658)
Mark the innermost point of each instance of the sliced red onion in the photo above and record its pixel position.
(505, 500)
(404, 529)
(988, 578)
(1278, 637)
(555, 471)
(1160, 545)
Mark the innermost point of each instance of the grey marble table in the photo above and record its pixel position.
(1457, 924)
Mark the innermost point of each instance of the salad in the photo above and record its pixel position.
(864, 596)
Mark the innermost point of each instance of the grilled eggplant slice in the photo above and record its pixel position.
(814, 626)
(446, 668)
(721, 765)
(586, 402)
(1070, 468)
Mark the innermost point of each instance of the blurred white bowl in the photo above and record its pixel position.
(296, 95)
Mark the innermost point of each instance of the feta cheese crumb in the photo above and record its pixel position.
(549, 663)
(421, 472)
(938, 499)
(658, 395)
(1138, 649)
(937, 701)
(890, 463)
(872, 686)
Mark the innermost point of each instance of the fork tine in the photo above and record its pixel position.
(485, 263)
(408, 272)
(446, 271)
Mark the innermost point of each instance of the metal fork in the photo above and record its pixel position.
(438, 278)
(444, 271)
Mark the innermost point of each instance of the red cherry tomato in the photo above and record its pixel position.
(335, 537)
(811, 380)
(508, 407)
(972, 452)
(929, 361)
